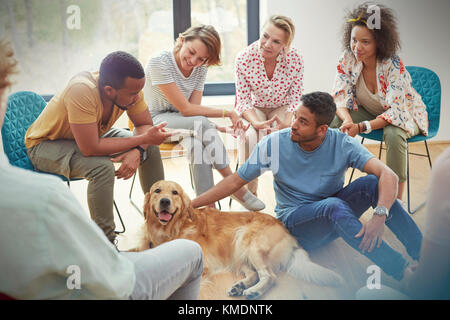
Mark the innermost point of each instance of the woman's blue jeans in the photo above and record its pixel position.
(321, 222)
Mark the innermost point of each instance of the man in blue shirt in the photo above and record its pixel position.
(309, 162)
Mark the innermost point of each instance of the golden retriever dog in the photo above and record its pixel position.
(255, 244)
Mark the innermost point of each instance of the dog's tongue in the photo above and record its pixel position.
(164, 216)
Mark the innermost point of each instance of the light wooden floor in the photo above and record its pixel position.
(337, 255)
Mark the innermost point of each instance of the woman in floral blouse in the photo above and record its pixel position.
(269, 83)
(373, 89)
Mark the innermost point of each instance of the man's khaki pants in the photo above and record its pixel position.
(63, 157)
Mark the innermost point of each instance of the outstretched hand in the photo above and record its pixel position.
(236, 120)
(268, 125)
(349, 128)
(231, 130)
(157, 134)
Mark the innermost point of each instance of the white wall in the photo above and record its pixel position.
(424, 28)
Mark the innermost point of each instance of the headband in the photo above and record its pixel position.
(359, 19)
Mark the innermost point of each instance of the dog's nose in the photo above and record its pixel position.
(164, 202)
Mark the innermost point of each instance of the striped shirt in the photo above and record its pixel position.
(163, 69)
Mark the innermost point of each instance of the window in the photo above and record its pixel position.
(56, 39)
(229, 18)
(237, 22)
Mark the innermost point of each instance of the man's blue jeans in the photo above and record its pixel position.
(321, 222)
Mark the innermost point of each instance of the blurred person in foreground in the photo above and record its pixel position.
(431, 279)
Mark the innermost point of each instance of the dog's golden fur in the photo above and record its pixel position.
(252, 243)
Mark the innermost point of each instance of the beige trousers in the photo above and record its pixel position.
(63, 157)
(252, 137)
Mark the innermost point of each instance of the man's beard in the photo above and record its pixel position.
(124, 108)
(301, 139)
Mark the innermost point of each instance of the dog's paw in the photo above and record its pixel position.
(236, 290)
(251, 295)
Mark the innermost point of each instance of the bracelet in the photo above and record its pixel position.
(368, 127)
(224, 112)
(363, 127)
(142, 153)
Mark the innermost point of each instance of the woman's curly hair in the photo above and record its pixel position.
(386, 37)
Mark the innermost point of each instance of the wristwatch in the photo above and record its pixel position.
(142, 152)
(381, 211)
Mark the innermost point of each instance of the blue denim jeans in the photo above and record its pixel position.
(321, 222)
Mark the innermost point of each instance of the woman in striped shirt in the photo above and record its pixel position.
(173, 90)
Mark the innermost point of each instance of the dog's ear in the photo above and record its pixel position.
(188, 206)
(146, 205)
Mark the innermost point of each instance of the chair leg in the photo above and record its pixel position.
(131, 198)
(407, 179)
(191, 176)
(220, 206)
(120, 218)
(431, 166)
(428, 154)
(351, 176)
(237, 167)
(353, 169)
(381, 148)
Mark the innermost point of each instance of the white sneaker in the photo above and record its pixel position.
(250, 202)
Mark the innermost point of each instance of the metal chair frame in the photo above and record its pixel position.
(407, 177)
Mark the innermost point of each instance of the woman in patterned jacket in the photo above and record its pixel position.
(373, 90)
(269, 84)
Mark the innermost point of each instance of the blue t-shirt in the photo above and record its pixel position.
(302, 177)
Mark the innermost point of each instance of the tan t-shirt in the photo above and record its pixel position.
(370, 101)
(78, 103)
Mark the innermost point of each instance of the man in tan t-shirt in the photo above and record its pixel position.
(73, 136)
